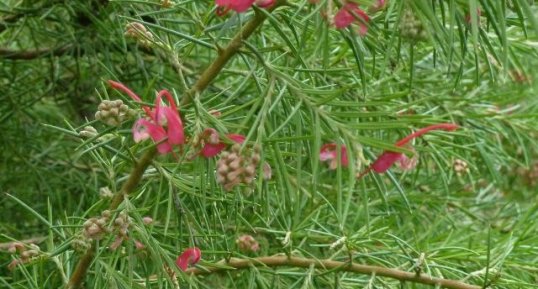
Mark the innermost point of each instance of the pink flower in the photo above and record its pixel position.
(213, 145)
(328, 153)
(190, 256)
(350, 13)
(388, 158)
(223, 6)
(163, 123)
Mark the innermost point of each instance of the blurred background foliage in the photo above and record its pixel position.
(297, 83)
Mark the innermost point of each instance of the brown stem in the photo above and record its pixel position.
(278, 261)
(134, 178)
(33, 54)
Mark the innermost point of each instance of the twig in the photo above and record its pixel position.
(35, 240)
(33, 54)
(134, 178)
(278, 261)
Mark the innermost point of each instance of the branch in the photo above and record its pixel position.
(207, 76)
(134, 178)
(33, 54)
(278, 261)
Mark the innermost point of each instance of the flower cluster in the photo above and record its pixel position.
(26, 253)
(138, 32)
(237, 167)
(247, 243)
(163, 123)
(95, 228)
(121, 226)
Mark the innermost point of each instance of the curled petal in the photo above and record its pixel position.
(190, 256)
(210, 150)
(175, 133)
(385, 161)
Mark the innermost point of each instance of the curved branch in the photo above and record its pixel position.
(33, 54)
(279, 261)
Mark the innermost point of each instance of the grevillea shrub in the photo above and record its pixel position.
(269, 144)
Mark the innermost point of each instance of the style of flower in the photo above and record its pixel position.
(388, 158)
(213, 145)
(350, 13)
(190, 256)
(329, 153)
(163, 123)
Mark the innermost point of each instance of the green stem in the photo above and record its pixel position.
(331, 265)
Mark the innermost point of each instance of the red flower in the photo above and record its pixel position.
(388, 158)
(190, 256)
(223, 6)
(213, 145)
(163, 124)
(328, 153)
(350, 13)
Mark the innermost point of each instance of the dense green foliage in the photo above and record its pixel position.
(296, 84)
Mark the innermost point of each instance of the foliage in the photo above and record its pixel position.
(297, 83)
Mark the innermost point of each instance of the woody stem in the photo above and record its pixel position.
(332, 265)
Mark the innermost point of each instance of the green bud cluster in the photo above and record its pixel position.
(113, 112)
(411, 27)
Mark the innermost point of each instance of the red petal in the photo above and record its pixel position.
(211, 150)
(385, 161)
(190, 256)
(176, 134)
(158, 134)
(343, 18)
